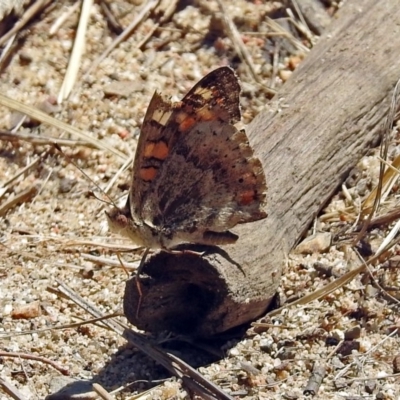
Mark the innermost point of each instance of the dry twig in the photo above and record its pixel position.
(45, 360)
(315, 380)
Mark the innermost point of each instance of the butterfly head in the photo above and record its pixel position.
(121, 222)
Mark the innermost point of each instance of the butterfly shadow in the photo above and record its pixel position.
(135, 371)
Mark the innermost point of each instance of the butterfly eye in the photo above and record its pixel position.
(122, 220)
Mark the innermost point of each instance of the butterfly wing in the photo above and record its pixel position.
(165, 123)
(210, 182)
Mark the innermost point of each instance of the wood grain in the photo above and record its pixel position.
(322, 121)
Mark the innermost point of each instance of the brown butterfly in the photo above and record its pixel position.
(195, 175)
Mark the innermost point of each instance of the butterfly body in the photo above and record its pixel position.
(195, 175)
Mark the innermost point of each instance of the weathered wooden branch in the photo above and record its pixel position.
(329, 114)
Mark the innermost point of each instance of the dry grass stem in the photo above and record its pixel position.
(6, 52)
(149, 6)
(34, 9)
(112, 20)
(77, 51)
(166, 15)
(241, 50)
(93, 321)
(386, 218)
(110, 263)
(63, 18)
(389, 237)
(117, 175)
(278, 30)
(11, 390)
(305, 29)
(301, 26)
(372, 275)
(23, 171)
(370, 211)
(40, 140)
(47, 119)
(339, 282)
(102, 392)
(389, 178)
(19, 198)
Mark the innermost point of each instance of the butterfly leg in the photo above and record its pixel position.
(137, 278)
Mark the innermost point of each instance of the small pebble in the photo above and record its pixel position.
(318, 243)
(26, 311)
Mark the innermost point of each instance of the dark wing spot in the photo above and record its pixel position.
(194, 159)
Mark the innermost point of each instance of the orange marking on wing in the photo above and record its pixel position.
(148, 174)
(148, 150)
(180, 117)
(219, 101)
(158, 150)
(246, 197)
(206, 114)
(187, 123)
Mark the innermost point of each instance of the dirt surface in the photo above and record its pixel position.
(52, 235)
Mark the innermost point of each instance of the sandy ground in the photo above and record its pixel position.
(51, 236)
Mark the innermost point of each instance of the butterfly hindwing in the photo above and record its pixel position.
(210, 182)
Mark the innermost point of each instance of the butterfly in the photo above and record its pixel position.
(195, 175)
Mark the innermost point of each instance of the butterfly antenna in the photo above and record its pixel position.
(71, 161)
(122, 263)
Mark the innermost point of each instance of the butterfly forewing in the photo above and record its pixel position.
(195, 175)
(215, 96)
